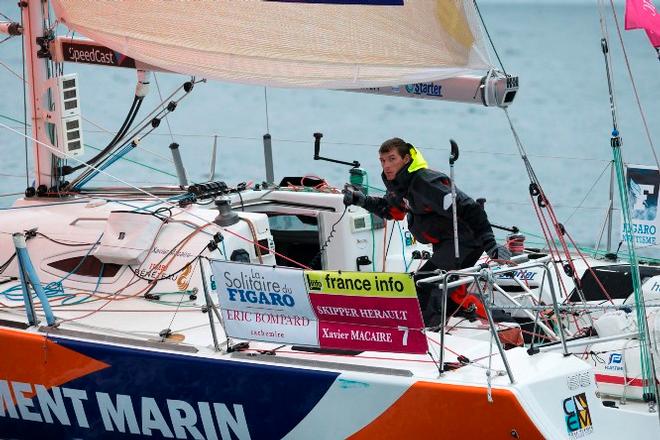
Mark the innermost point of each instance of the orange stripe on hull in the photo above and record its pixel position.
(432, 410)
(33, 358)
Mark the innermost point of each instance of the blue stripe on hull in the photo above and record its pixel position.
(274, 399)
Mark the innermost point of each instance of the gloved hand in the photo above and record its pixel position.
(353, 196)
(497, 252)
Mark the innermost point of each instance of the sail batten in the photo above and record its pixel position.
(289, 44)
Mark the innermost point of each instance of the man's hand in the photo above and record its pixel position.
(498, 252)
(353, 196)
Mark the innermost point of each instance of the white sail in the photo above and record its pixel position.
(287, 43)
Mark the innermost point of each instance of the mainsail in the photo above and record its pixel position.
(285, 43)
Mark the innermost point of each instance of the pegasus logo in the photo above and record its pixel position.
(644, 200)
(641, 194)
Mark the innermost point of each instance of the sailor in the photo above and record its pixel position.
(425, 195)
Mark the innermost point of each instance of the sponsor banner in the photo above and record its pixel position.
(91, 53)
(346, 310)
(372, 338)
(390, 312)
(364, 284)
(643, 183)
(426, 89)
(367, 311)
(264, 303)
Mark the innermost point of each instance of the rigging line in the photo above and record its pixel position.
(155, 197)
(590, 269)
(158, 109)
(68, 156)
(25, 111)
(535, 180)
(549, 210)
(178, 306)
(483, 23)
(12, 71)
(167, 120)
(588, 193)
(602, 229)
(137, 163)
(12, 194)
(164, 110)
(608, 68)
(266, 102)
(650, 386)
(634, 85)
(89, 121)
(104, 130)
(351, 144)
(132, 112)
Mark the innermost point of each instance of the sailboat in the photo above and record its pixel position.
(209, 311)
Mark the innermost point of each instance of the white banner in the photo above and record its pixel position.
(643, 184)
(265, 304)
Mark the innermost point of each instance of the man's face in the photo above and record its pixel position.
(392, 162)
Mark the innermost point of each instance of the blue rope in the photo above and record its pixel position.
(55, 289)
(114, 157)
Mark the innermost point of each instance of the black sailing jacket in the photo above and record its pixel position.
(426, 196)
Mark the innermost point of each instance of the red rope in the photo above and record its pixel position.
(600, 285)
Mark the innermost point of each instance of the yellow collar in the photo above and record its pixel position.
(418, 161)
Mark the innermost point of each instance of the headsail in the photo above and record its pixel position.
(642, 14)
(302, 43)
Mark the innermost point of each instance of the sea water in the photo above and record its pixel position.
(561, 113)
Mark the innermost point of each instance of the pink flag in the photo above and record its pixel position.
(642, 14)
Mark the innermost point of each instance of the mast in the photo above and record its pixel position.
(36, 70)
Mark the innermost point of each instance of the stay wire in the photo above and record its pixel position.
(266, 102)
(167, 120)
(605, 47)
(587, 194)
(634, 85)
(558, 228)
(483, 23)
(25, 110)
(649, 381)
(130, 117)
(160, 110)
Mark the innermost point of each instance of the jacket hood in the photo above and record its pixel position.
(418, 161)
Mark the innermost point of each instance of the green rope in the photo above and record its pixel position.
(12, 119)
(648, 375)
(137, 163)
